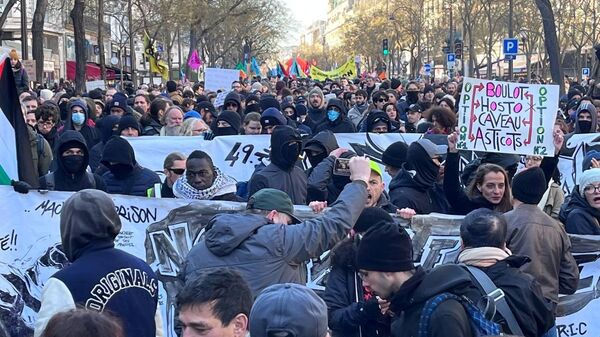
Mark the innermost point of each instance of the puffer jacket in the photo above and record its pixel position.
(138, 181)
(578, 216)
(267, 254)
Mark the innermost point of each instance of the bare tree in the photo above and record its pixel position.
(37, 32)
(80, 52)
(7, 8)
(551, 42)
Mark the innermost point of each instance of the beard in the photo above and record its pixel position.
(173, 130)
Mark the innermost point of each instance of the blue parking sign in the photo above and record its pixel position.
(585, 72)
(451, 58)
(511, 46)
(427, 67)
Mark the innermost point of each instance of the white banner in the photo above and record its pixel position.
(162, 231)
(507, 117)
(220, 79)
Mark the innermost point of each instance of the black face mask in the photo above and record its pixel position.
(585, 126)
(412, 97)
(228, 131)
(290, 153)
(316, 159)
(73, 163)
(121, 171)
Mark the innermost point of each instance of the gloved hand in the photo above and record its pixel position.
(20, 186)
(371, 308)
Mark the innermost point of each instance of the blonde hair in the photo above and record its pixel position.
(188, 126)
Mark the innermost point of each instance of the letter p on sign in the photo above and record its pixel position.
(511, 46)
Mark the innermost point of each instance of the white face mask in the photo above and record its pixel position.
(78, 118)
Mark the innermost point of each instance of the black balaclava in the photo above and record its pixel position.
(426, 170)
(286, 146)
(412, 97)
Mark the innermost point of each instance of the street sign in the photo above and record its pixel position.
(510, 57)
(451, 58)
(585, 72)
(29, 66)
(427, 69)
(511, 46)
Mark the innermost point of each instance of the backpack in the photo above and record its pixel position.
(480, 325)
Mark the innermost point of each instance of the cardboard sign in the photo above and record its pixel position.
(29, 66)
(507, 117)
(220, 79)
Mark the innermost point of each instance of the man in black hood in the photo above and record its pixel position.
(72, 158)
(107, 126)
(414, 186)
(228, 123)
(125, 175)
(336, 120)
(77, 119)
(319, 147)
(282, 173)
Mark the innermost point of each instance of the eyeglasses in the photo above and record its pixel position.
(177, 171)
(591, 189)
(381, 100)
(46, 123)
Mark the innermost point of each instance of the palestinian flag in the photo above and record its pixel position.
(16, 161)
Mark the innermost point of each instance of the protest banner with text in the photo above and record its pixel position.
(507, 117)
(220, 79)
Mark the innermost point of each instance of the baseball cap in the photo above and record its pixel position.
(375, 167)
(431, 148)
(415, 108)
(288, 308)
(269, 199)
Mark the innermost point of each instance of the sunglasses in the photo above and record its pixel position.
(178, 171)
(381, 100)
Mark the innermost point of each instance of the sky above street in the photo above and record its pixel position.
(305, 12)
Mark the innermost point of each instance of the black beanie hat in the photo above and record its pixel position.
(231, 117)
(395, 154)
(129, 121)
(371, 217)
(386, 248)
(269, 101)
(529, 186)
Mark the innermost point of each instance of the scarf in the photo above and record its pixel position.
(223, 184)
(483, 256)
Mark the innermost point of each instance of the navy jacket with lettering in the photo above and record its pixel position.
(100, 278)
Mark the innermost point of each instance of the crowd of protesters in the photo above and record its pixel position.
(242, 276)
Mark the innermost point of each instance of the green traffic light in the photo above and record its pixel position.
(386, 52)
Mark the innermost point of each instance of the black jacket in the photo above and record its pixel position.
(406, 192)
(282, 173)
(150, 127)
(138, 181)
(578, 216)
(449, 319)
(326, 141)
(340, 125)
(533, 312)
(315, 117)
(65, 181)
(345, 298)
(323, 185)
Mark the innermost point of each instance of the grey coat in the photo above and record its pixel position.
(267, 254)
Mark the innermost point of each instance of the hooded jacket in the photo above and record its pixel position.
(326, 142)
(357, 113)
(449, 319)
(592, 110)
(342, 124)
(100, 278)
(267, 254)
(62, 179)
(415, 185)
(282, 173)
(578, 216)
(91, 135)
(137, 181)
(105, 126)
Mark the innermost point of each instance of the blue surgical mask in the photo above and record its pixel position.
(333, 115)
(78, 118)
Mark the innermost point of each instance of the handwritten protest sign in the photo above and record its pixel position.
(220, 79)
(507, 117)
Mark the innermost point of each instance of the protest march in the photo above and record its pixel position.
(329, 204)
